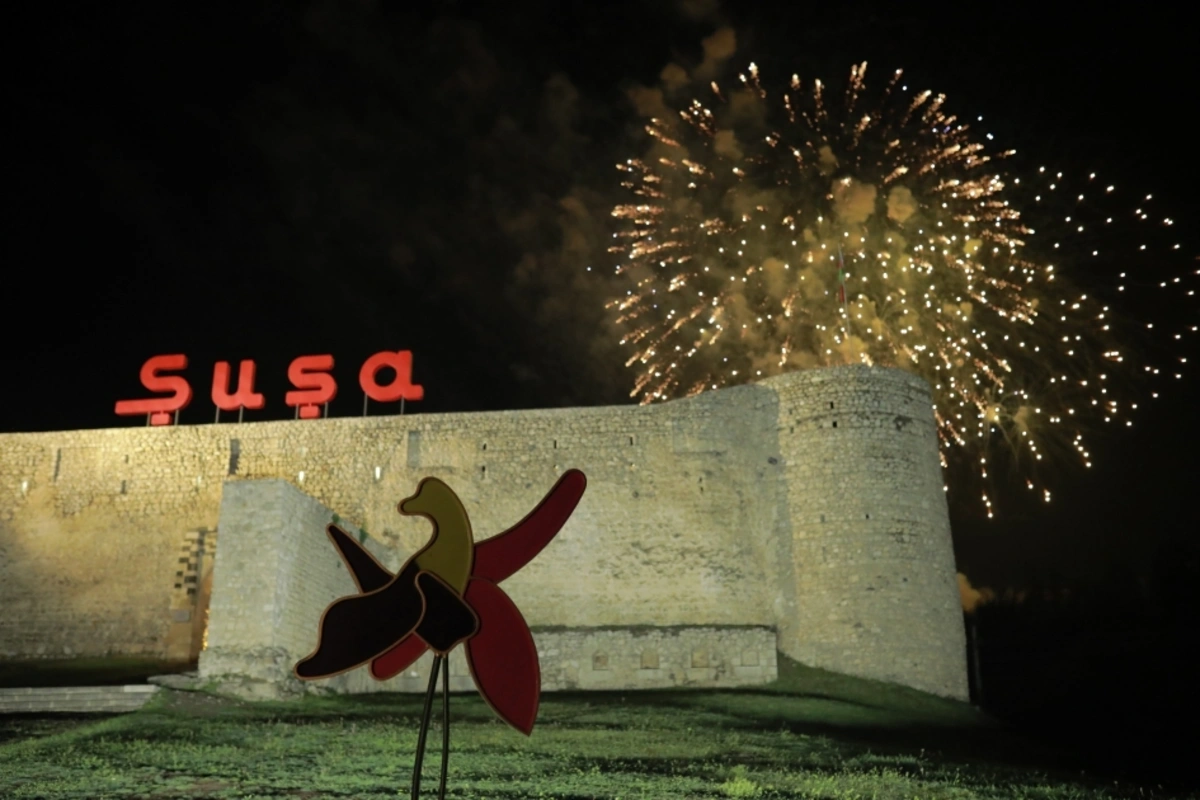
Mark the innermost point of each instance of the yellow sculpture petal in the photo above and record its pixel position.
(451, 552)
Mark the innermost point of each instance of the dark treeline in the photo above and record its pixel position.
(1107, 667)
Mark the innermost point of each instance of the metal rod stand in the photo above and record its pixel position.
(444, 663)
(445, 726)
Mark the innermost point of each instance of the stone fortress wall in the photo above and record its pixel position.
(277, 573)
(809, 504)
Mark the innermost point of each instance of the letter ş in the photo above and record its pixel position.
(314, 386)
(310, 374)
(160, 408)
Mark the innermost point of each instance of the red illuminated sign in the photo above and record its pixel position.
(243, 397)
(317, 387)
(159, 408)
(314, 386)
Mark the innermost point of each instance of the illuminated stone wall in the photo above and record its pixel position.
(737, 509)
(277, 572)
(871, 561)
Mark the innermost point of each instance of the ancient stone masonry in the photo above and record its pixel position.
(808, 508)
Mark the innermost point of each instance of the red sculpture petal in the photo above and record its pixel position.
(399, 658)
(500, 556)
(502, 656)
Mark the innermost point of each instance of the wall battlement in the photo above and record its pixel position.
(810, 503)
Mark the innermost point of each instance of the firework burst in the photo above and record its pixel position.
(769, 232)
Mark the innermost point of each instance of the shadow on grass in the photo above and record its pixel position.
(19, 727)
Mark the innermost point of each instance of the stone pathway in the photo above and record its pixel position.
(95, 699)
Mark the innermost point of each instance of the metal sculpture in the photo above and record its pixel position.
(446, 594)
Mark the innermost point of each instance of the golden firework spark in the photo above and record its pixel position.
(774, 232)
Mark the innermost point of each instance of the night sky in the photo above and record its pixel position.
(338, 178)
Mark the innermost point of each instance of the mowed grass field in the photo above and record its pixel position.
(810, 734)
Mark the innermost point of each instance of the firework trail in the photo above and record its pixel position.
(769, 232)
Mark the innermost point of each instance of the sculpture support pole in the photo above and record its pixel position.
(416, 777)
(445, 725)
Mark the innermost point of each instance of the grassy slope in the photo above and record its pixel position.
(811, 734)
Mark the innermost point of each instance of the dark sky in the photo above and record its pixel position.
(337, 178)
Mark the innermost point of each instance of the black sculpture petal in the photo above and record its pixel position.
(367, 572)
(448, 619)
(355, 629)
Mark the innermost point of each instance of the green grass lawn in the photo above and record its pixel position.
(811, 734)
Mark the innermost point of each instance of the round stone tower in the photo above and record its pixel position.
(872, 579)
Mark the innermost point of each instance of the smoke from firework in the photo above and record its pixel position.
(774, 231)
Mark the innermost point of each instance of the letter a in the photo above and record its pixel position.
(400, 387)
